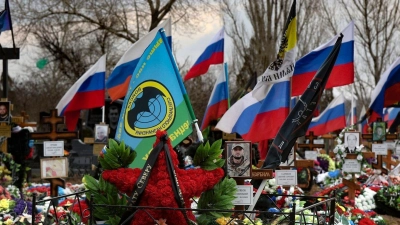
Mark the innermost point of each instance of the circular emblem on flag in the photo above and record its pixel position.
(150, 108)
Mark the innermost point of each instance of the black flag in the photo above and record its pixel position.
(296, 124)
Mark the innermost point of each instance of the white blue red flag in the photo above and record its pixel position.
(118, 82)
(213, 54)
(87, 93)
(390, 115)
(218, 103)
(343, 71)
(386, 92)
(257, 120)
(331, 119)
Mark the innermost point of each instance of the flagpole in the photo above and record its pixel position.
(103, 113)
(182, 87)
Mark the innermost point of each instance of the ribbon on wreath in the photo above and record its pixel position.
(143, 179)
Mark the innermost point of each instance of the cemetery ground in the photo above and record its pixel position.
(77, 179)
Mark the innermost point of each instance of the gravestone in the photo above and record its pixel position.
(379, 164)
(81, 157)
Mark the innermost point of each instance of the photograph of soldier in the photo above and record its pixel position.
(4, 112)
(238, 159)
(379, 131)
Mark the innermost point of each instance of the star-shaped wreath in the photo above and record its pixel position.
(159, 190)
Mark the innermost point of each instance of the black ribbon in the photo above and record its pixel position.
(175, 185)
(143, 179)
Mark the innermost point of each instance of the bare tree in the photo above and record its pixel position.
(72, 35)
(256, 32)
(376, 36)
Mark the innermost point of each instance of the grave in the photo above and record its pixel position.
(379, 158)
(81, 158)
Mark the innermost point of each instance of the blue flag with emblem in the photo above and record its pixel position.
(156, 100)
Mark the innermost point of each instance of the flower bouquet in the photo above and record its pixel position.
(365, 201)
(387, 201)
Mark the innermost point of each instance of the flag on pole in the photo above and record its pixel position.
(283, 66)
(259, 114)
(342, 72)
(258, 120)
(390, 115)
(5, 18)
(296, 124)
(386, 92)
(331, 119)
(156, 100)
(218, 103)
(87, 93)
(213, 54)
(118, 82)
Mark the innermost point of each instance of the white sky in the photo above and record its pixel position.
(187, 46)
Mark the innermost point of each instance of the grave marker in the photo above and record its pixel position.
(379, 158)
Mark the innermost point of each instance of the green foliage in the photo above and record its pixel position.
(205, 219)
(116, 156)
(220, 197)
(209, 158)
(105, 193)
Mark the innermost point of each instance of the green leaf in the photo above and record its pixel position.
(113, 162)
(91, 183)
(220, 163)
(131, 158)
(112, 143)
(114, 220)
(102, 184)
(200, 155)
(207, 165)
(100, 199)
(104, 164)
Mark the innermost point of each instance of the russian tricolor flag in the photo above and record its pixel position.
(118, 82)
(87, 93)
(390, 115)
(343, 71)
(214, 54)
(333, 118)
(386, 92)
(218, 103)
(257, 120)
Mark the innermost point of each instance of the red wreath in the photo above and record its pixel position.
(158, 192)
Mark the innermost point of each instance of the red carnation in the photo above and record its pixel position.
(159, 192)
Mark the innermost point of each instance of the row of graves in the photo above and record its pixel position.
(322, 183)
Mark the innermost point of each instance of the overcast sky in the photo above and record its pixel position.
(186, 46)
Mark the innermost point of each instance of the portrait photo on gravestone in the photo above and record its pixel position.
(351, 141)
(379, 131)
(101, 133)
(238, 158)
(5, 116)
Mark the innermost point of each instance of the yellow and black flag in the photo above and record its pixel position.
(296, 124)
(283, 66)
